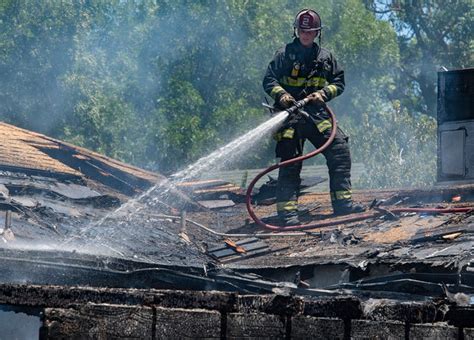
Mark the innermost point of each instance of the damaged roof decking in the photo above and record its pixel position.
(414, 237)
(58, 193)
(51, 210)
(156, 238)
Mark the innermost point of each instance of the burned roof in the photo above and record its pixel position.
(23, 151)
(72, 209)
(408, 252)
(59, 197)
(31, 153)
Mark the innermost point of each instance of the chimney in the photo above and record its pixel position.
(456, 126)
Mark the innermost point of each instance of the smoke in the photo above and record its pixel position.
(32, 61)
(152, 77)
(159, 85)
(373, 111)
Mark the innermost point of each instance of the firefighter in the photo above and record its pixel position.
(304, 69)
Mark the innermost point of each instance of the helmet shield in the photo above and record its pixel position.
(307, 20)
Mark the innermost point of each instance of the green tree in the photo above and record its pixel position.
(398, 149)
(110, 94)
(36, 40)
(431, 35)
(160, 84)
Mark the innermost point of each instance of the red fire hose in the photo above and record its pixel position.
(330, 222)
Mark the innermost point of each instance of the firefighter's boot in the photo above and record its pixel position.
(346, 207)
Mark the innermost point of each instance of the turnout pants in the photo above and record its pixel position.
(290, 141)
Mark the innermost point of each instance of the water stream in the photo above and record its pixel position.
(229, 153)
(122, 228)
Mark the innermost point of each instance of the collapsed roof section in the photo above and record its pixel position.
(27, 153)
(58, 208)
(55, 195)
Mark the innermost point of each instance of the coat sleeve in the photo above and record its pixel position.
(271, 80)
(335, 79)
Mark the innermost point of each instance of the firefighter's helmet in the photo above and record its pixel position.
(307, 20)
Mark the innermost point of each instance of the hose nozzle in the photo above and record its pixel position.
(298, 105)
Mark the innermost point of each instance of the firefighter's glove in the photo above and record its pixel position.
(318, 97)
(286, 100)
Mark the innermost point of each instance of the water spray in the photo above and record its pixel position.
(110, 230)
(229, 152)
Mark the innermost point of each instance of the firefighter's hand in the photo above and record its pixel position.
(318, 97)
(286, 100)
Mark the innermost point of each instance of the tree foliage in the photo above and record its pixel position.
(161, 83)
(432, 35)
(398, 148)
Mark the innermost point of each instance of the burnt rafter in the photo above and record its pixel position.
(99, 171)
(43, 173)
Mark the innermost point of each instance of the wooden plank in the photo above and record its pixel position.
(437, 233)
(223, 253)
(255, 326)
(250, 248)
(201, 184)
(217, 204)
(230, 251)
(240, 243)
(260, 252)
(254, 246)
(98, 321)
